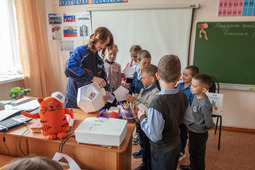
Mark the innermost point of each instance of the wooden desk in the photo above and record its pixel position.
(5, 160)
(87, 156)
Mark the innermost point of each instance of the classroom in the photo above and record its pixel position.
(44, 54)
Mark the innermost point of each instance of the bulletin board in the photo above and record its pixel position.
(226, 50)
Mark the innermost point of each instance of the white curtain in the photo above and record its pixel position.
(160, 31)
(9, 53)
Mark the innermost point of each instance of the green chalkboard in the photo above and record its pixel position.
(229, 52)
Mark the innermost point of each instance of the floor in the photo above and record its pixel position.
(237, 152)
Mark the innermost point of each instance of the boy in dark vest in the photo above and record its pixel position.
(166, 112)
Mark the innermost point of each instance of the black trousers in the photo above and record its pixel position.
(144, 147)
(167, 160)
(184, 136)
(197, 149)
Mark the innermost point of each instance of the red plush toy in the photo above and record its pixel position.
(52, 115)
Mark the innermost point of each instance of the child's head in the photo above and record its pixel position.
(143, 59)
(149, 75)
(200, 84)
(33, 162)
(112, 53)
(134, 52)
(100, 39)
(188, 73)
(169, 68)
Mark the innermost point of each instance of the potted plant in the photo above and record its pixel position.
(18, 92)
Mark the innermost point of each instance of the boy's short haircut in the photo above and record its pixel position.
(169, 68)
(150, 69)
(135, 48)
(143, 54)
(194, 70)
(204, 79)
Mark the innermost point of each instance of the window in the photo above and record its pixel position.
(9, 52)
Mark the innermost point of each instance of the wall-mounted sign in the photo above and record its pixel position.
(86, 2)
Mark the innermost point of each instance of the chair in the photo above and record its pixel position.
(213, 89)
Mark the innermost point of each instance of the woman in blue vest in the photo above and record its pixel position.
(86, 66)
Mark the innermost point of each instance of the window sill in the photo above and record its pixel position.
(10, 78)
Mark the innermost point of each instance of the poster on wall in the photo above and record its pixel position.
(68, 18)
(84, 31)
(56, 32)
(55, 18)
(83, 17)
(83, 21)
(86, 2)
(70, 31)
(232, 8)
(67, 45)
(216, 100)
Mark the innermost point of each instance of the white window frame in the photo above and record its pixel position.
(10, 66)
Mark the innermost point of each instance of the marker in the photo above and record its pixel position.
(251, 88)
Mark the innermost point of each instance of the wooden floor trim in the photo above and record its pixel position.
(240, 130)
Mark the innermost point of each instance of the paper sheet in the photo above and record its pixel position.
(71, 163)
(129, 72)
(121, 93)
(114, 109)
(111, 98)
(216, 99)
(142, 107)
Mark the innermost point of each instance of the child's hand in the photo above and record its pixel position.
(136, 95)
(99, 81)
(130, 98)
(140, 113)
(127, 86)
(122, 75)
(106, 97)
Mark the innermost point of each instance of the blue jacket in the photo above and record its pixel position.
(81, 68)
(137, 84)
(186, 91)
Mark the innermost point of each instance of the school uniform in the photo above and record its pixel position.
(161, 126)
(146, 96)
(137, 84)
(113, 71)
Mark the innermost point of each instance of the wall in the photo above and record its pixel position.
(5, 87)
(238, 107)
